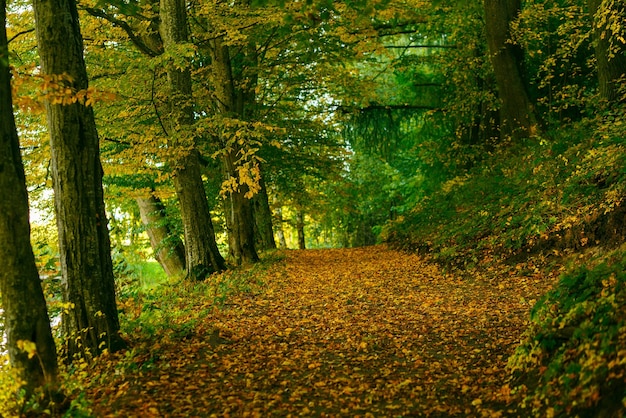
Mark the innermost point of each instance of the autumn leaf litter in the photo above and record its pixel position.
(343, 332)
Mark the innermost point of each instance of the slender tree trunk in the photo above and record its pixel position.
(202, 255)
(91, 323)
(238, 208)
(610, 52)
(168, 248)
(263, 219)
(25, 314)
(280, 232)
(300, 229)
(516, 113)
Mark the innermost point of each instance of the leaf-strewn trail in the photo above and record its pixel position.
(350, 332)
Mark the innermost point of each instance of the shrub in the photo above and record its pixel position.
(572, 359)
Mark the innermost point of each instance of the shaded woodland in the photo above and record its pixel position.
(152, 147)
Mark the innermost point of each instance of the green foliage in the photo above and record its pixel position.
(14, 402)
(572, 359)
(11, 396)
(541, 194)
(43, 236)
(72, 377)
(136, 273)
(557, 38)
(371, 192)
(173, 309)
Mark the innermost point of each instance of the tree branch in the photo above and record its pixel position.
(374, 107)
(117, 141)
(420, 46)
(24, 32)
(135, 39)
(154, 104)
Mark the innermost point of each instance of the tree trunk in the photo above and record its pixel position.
(238, 208)
(610, 52)
(168, 248)
(91, 323)
(263, 219)
(300, 229)
(202, 255)
(25, 314)
(280, 232)
(240, 226)
(517, 116)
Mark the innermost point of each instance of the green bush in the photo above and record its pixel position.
(11, 396)
(539, 194)
(572, 359)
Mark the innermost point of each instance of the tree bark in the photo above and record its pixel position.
(240, 225)
(202, 255)
(300, 229)
(91, 323)
(263, 219)
(280, 232)
(168, 248)
(517, 116)
(238, 208)
(610, 53)
(25, 313)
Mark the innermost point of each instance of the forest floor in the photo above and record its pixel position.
(342, 332)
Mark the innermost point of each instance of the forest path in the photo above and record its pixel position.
(343, 332)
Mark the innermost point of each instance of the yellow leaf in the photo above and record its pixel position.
(28, 347)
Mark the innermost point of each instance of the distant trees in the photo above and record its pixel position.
(90, 322)
(232, 104)
(245, 84)
(29, 339)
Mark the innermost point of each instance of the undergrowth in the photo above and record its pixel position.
(152, 310)
(173, 308)
(572, 359)
(561, 192)
(11, 397)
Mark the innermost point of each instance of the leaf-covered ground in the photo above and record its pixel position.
(349, 332)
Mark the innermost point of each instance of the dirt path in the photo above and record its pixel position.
(351, 332)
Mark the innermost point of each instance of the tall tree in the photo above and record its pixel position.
(162, 32)
(202, 254)
(280, 232)
(608, 19)
(91, 322)
(517, 116)
(25, 315)
(238, 206)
